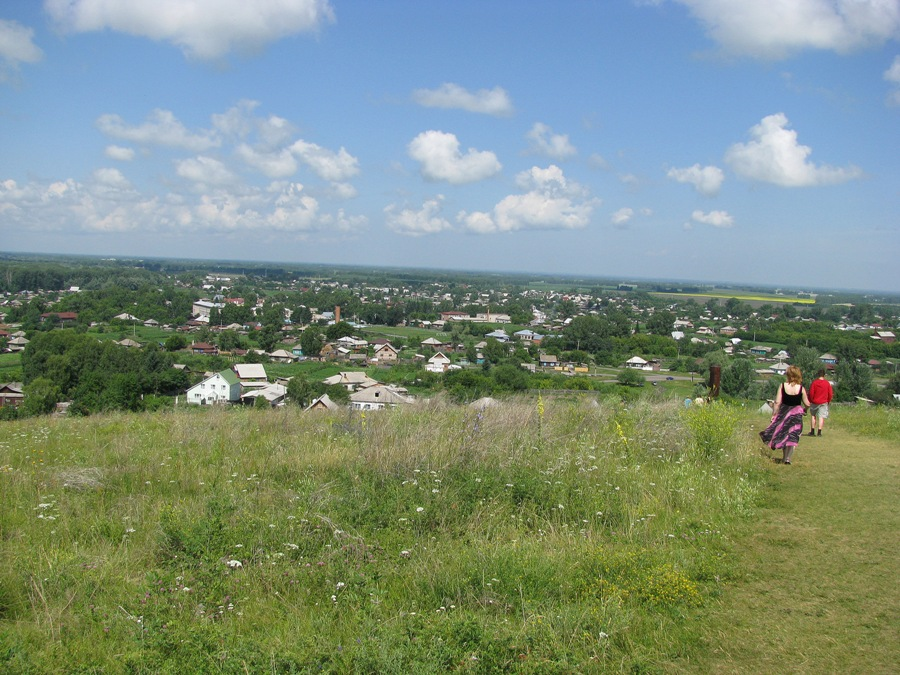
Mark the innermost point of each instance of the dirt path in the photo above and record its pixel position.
(821, 592)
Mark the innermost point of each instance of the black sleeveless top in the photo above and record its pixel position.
(791, 399)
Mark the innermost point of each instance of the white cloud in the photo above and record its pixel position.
(550, 203)
(327, 164)
(622, 217)
(205, 29)
(775, 28)
(774, 156)
(720, 219)
(205, 171)
(545, 142)
(16, 47)
(487, 101)
(441, 160)
(427, 220)
(161, 128)
(278, 164)
(706, 180)
(119, 153)
(892, 75)
(108, 203)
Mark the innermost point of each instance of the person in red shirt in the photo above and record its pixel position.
(820, 393)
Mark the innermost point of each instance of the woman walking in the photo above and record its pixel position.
(791, 402)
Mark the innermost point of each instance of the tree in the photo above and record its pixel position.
(175, 342)
(338, 330)
(299, 391)
(41, 397)
(630, 377)
(268, 337)
(853, 379)
(311, 341)
(737, 378)
(661, 323)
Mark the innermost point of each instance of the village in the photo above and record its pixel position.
(241, 339)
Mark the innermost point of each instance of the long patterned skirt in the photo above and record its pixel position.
(785, 430)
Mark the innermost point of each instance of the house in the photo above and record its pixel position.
(125, 316)
(548, 360)
(351, 380)
(64, 318)
(433, 344)
(324, 402)
(17, 344)
(386, 353)
(203, 308)
(128, 342)
(727, 330)
(11, 394)
(223, 387)
(151, 323)
(528, 336)
(779, 368)
(378, 397)
(438, 363)
(251, 375)
(885, 336)
(499, 335)
(638, 363)
(705, 330)
(760, 350)
(204, 348)
(828, 359)
(282, 356)
(273, 393)
(354, 344)
(677, 335)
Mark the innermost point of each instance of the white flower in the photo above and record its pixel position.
(340, 585)
(404, 553)
(234, 564)
(419, 509)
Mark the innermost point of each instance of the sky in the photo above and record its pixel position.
(705, 140)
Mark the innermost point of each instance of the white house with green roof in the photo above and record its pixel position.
(223, 387)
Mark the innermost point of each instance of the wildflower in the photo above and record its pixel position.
(234, 564)
(419, 509)
(404, 553)
(340, 585)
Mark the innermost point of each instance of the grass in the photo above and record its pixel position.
(10, 367)
(818, 591)
(550, 536)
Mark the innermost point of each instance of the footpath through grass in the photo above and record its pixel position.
(821, 564)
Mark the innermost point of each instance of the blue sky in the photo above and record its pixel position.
(711, 140)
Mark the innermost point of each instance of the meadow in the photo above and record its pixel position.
(540, 535)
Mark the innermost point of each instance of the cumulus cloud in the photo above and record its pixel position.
(774, 29)
(161, 128)
(892, 75)
(486, 101)
(440, 158)
(721, 219)
(278, 164)
(543, 141)
(550, 202)
(774, 156)
(205, 171)
(119, 153)
(327, 164)
(16, 47)
(622, 217)
(204, 29)
(706, 180)
(427, 220)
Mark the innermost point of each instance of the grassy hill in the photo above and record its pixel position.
(536, 536)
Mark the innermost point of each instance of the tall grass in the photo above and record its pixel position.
(560, 537)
